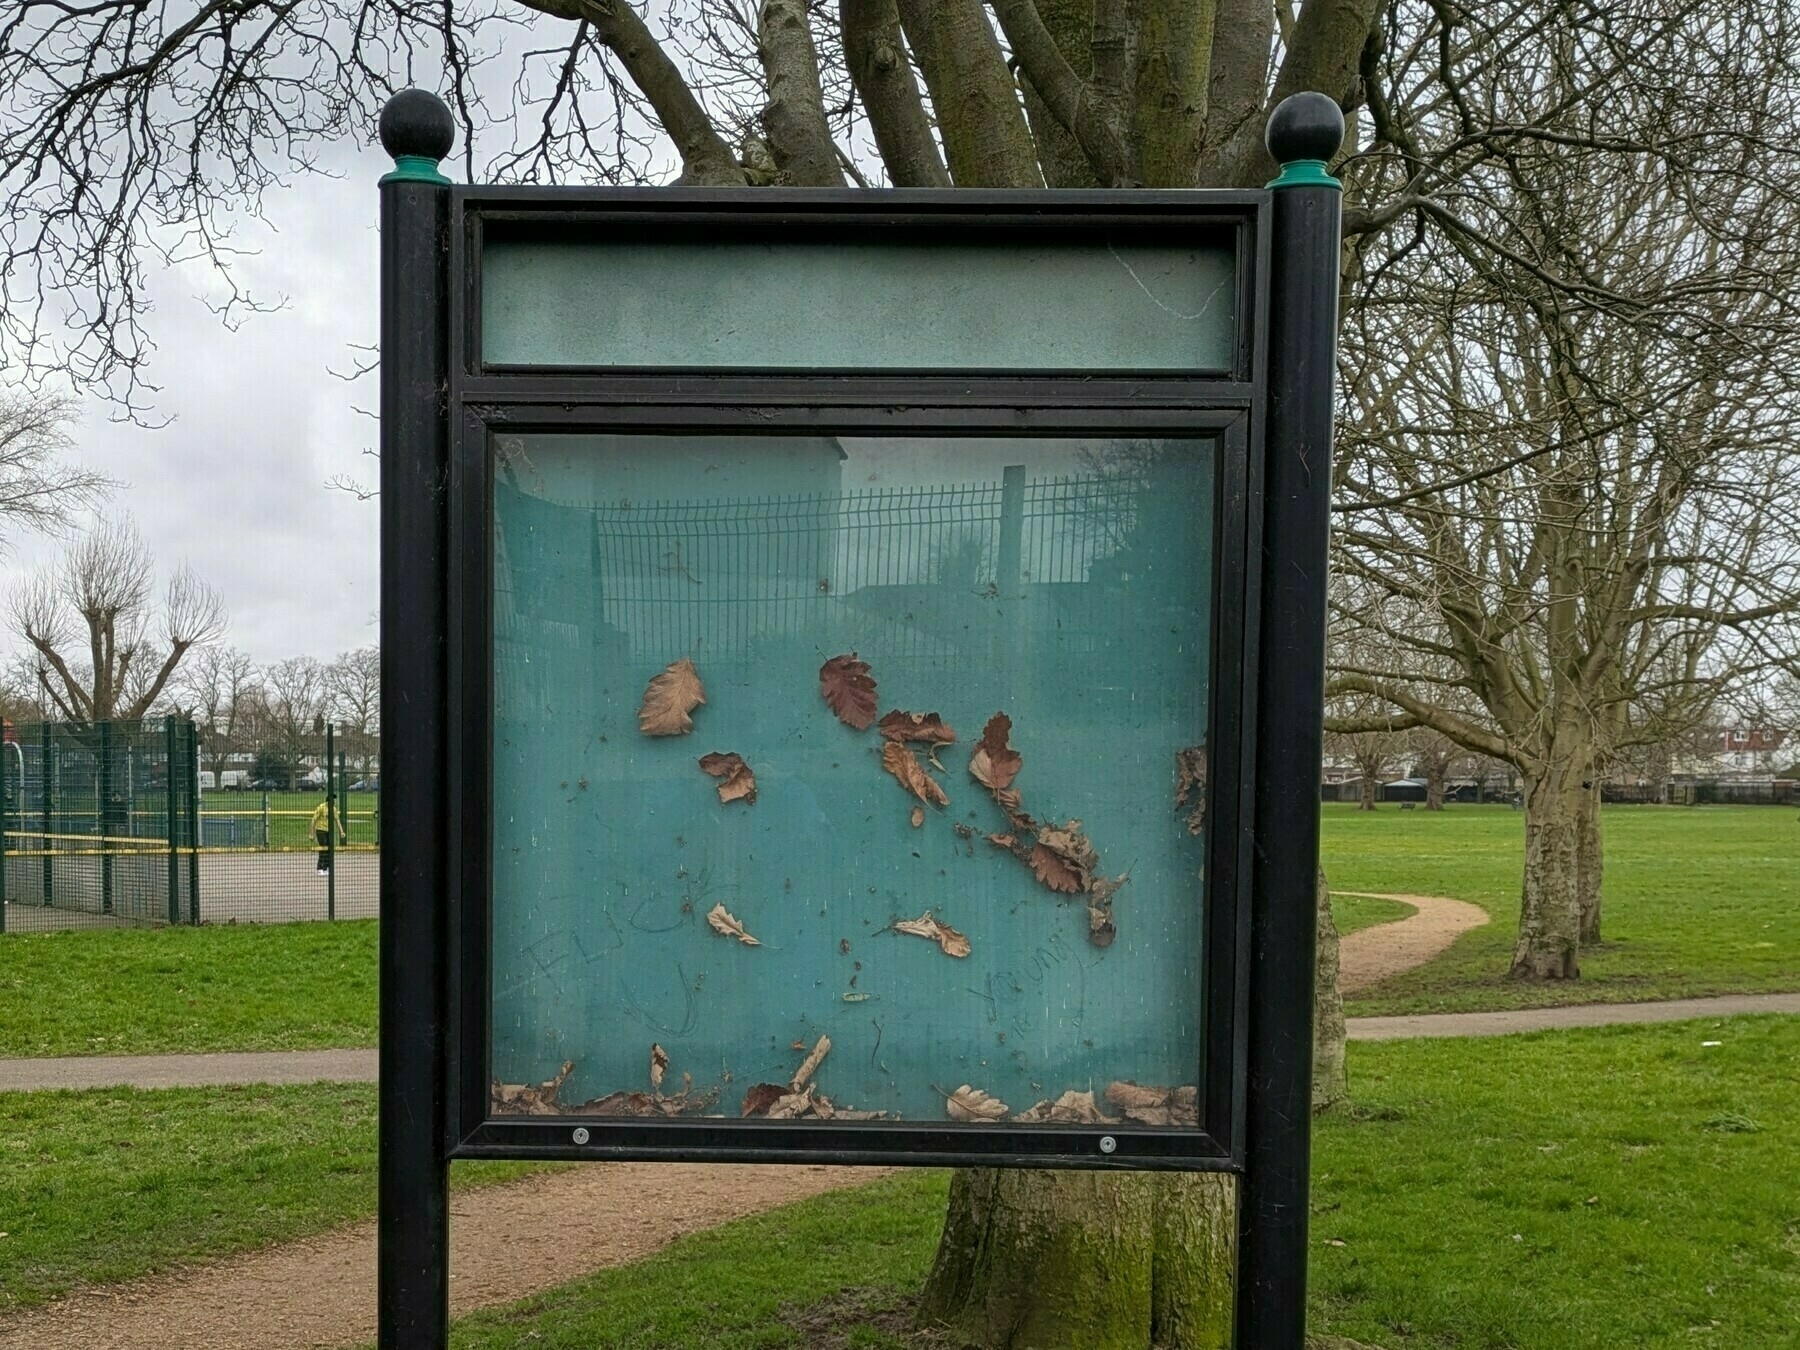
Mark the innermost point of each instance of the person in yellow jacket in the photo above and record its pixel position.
(324, 817)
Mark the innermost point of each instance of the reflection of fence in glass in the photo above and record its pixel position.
(886, 566)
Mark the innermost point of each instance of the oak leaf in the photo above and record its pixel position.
(740, 782)
(953, 942)
(995, 764)
(849, 690)
(659, 1063)
(726, 926)
(1050, 868)
(926, 728)
(911, 775)
(1063, 859)
(668, 700)
(974, 1106)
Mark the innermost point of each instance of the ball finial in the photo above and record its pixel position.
(418, 131)
(1305, 127)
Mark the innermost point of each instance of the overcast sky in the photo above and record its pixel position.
(235, 483)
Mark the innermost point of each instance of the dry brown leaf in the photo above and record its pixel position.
(623, 1104)
(1064, 860)
(849, 690)
(740, 782)
(805, 1071)
(523, 1099)
(668, 700)
(1101, 928)
(1075, 1108)
(659, 1063)
(995, 764)
(1009, 801)
(726, 926)
(1190, 775)
(843, 1113)
(911, 775)
(974, 1106)
(791, 1105)
(918, 816)
(761, 1097)
(953, 942)
(926, 728)
(1156, 1105)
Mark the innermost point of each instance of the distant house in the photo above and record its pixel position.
(1731, 752)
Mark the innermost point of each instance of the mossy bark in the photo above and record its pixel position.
(1590, 861)
(1331, 1079)
(1085, 1261)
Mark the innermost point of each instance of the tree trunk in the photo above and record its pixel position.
(1365, 800)
(1085, 1261)
(1435, 773)
(1550, 909)
(1590, 862)
(1331, 1082)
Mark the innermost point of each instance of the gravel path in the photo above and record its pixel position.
(1550, 1019)
(1370, 955)
(166, 1071)
(506, 1242)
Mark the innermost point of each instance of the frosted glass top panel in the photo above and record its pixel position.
(888, 304)
(935, 902)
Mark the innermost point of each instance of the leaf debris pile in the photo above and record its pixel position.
(924, 728)
(740, 782)
(1156, 1105)
(972, 1106)
(669, 698)
(519, 1099)
(801, 1099)
(1072, 1108)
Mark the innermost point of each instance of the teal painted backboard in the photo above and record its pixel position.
(1064, 582)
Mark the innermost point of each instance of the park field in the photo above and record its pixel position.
(1697, 900)
(1530, 1192)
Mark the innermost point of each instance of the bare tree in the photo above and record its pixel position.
(38, 490)
(218, 688)
(294, 696)
(101, 651)
(354, 681)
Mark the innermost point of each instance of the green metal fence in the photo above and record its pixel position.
(116, 823)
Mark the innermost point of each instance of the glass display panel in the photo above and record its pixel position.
(760, 846)
(1021, 304)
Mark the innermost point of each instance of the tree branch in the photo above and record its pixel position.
(875, 52)
(972, 92)
(1096, 123)
(794, 117)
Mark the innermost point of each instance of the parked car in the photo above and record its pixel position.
(267, 785)
(365, 785)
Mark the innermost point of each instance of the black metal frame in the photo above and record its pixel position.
(517, 400)
(438, 403)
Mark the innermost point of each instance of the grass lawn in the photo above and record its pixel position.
(1697, 900)
(1577, 1190)
(111, 1184)
(143, 991)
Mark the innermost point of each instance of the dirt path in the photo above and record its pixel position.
(506, 1242)
(1372, 954)
(1515, 1020)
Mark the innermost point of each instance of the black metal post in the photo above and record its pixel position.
(174, 765)
(1304, 132)
(103, 818)
(413, 1292)
(193, 824)
(331, 825)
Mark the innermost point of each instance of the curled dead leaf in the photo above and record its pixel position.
(740, 782)
(1053, 871)
(659, 1063)
(849, 690)
(1074, 1108)
(995, 764)
(805, 1071)
(1063, 859)
(1101, 928)
(727, 926)
(761, 1097)
(926, 728)
(1156, 1105)
(953, 942)
(911, 775)
(1190, 776)
(918, 816)
(973, 1106)
(668, 700)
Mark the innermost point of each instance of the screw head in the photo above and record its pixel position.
(581, 1135)
(1108, 1143)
